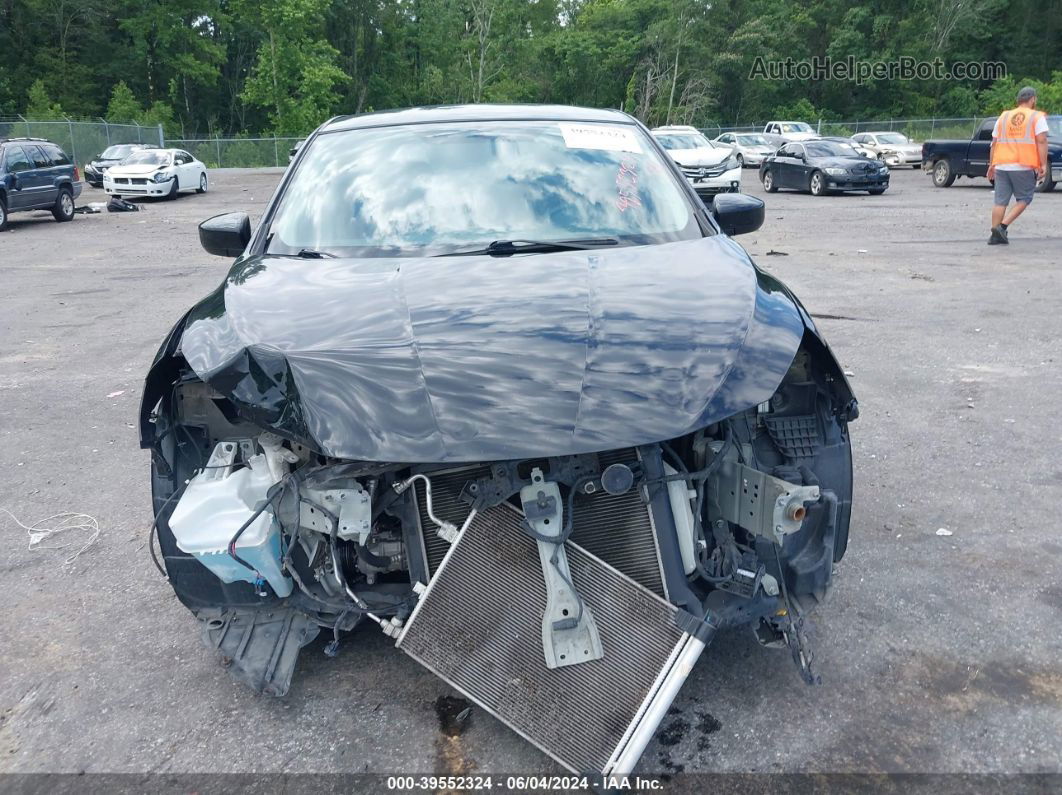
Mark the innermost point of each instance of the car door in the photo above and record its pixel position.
(43, 176)
(19, 168)
(801, 168)
(788, 166)
(980, 148)
(188, 169)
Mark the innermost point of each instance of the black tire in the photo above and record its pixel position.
(3, 215)
(768, 182)
(202, 183)
(943, 175)
(817, 184)
(876, 191)
(64, 206)
(174, 188)
(1046, 186)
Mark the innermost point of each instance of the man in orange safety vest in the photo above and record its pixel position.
(1018, 159)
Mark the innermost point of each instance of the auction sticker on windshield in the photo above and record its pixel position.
(600, 136)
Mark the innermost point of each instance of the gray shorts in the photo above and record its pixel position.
(1019, 184)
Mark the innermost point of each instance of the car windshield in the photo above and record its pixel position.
(796, 127)
(683, 141)
(429, 189)
(752, 140)
(892, 138)
(150, 157)
(118, 151)
(830, 149)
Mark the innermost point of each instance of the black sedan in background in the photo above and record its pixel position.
(111, 156)
(821, 167)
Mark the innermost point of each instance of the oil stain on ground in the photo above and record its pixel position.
(455, 715)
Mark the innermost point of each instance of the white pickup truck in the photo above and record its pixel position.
(791, 130)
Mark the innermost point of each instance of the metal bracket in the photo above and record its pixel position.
(352, 507)
(762, 504)
(569, 634)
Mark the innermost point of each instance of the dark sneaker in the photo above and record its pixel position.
(996, 239)
(1002, 233)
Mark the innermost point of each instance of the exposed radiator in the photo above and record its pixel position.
(446, 488)
(617, 529)
(479, 627)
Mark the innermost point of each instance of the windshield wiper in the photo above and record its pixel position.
(309, 253)
(503, 248)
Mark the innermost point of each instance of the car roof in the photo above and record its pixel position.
(473, 113)
(675, 128)
(25, 140)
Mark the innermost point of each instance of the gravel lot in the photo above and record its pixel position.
(937, 652)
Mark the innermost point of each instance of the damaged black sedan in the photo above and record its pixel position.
(495, 380)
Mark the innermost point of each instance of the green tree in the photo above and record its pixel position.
(296, 74)
(41, 107)
(123, 106)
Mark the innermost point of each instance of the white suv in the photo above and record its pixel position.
(710, 168)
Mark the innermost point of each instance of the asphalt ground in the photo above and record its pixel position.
(937, 652)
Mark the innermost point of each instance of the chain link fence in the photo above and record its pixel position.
(237, 152)
(915, 129)
(82, 140)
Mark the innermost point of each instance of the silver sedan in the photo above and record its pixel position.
(750, 148)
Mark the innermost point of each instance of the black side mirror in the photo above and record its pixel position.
(738, 213)
(225, 235)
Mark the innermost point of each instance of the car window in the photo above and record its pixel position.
(17, 160)
(40, 160)
(892, 138)
(683, 141)
(149, 157)
(56, 155)
(789, 150)
(426, 189)
(118, 151)
(985, 132)
(726, 138)
(831, 149)
(752, 140)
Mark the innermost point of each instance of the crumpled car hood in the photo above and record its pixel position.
(699, 157)
(135, 170)
(491, 358)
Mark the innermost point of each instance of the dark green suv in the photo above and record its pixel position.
(36, 174)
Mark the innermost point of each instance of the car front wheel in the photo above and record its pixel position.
(174, 188)
(817, 185)
(64, 206)
(202, 183)
(768, 182)
(3, 215)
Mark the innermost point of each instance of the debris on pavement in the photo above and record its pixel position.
(943, 531)
(62, 522)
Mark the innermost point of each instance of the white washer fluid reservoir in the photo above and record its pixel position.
(215, 505)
